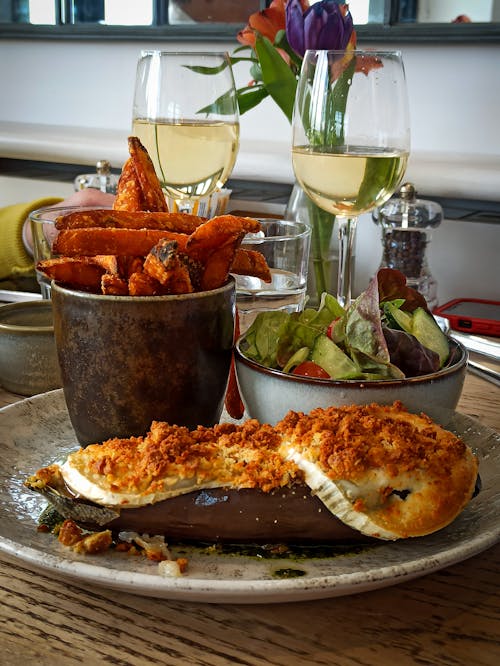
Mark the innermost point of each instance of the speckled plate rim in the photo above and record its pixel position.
(37, 430)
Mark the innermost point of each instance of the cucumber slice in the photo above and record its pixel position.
(428, 333)
(403, 319)
(299, 357)
(332, 359)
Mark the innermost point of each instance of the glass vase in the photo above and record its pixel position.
(324, 253)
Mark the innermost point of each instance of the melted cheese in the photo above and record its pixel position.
(337, 497)
(171, 461)
(381, 470)
(83, 485)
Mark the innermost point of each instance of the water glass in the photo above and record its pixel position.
(285, 245)
(44, 232)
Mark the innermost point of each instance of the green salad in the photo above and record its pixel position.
(386, 333)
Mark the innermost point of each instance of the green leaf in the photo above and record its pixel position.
(364, 326)
(263, 336)
(245, 59)
(223, 105)
(256, 72)
(337, 102)
(248, 98)
(206, 70)
(277, 76)
(243, 47)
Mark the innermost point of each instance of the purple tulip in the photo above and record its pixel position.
(324, 25)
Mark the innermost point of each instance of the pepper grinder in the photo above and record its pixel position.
(102, 179)
(406, 226)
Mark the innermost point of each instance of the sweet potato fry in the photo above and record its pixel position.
(218, 264)
(81, 272)
(114, 285)
(124, 219)
(128, 265)
(108, 261)
(154, 267)
(170, 268)
(233, 402)
(154, 199)
(120, 242)
(129, 192)
(217, 232)
(142, 284)
(175, 279)
(251, 262)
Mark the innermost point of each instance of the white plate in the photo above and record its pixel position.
(37, 431)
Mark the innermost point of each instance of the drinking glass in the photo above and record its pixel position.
(285, 245)
(351, 137)
(186, 115)
(44, 233)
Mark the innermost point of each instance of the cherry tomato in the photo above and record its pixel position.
(310, 369)
(331, 327)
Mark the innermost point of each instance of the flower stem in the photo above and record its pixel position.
(322, 224)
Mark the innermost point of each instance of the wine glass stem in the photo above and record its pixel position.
(347, 233)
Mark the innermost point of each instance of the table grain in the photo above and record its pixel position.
(447, 618)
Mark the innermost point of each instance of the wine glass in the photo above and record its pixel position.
(185, 113)
(351, 138)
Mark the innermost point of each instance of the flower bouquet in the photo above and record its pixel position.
(273, 43)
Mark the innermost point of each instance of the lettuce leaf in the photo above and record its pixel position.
(392, 285)
(363, 326)
(370, 332)
(262, 338)
(409, 355)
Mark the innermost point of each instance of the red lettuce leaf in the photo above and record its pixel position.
(392, 285)
(363, 325)
(409, 355)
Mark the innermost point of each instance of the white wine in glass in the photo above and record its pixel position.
(351, 138)
(186, 115)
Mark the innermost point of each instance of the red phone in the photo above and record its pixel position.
(472, 315)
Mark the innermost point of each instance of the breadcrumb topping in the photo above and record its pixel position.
(347, 442)
(243, 456)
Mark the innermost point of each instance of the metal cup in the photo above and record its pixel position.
(127, 361)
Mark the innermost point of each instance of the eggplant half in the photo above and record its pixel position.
(225, 515)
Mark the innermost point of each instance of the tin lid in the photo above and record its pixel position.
(102, 179)
(103, 167)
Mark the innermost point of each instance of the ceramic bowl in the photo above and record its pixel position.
(28, 359)
(269, 394)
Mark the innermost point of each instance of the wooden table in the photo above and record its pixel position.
(451, 617)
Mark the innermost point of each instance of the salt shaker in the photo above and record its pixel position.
(102, 179)
(406, 230)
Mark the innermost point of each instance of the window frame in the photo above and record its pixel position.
(388, 30)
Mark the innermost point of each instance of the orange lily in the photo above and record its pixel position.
(267, 22)
(363, 65)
